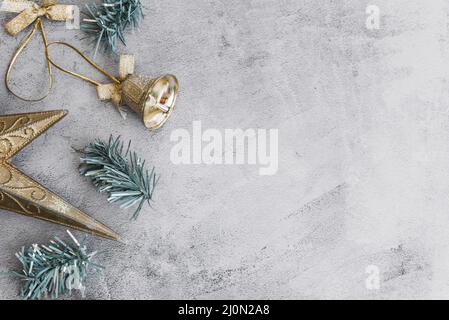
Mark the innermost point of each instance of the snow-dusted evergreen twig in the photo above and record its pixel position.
(108, 21)
(121, 175)
(49, 271)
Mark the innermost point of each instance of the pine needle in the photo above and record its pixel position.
(107, 22)
(121, 175)
(55, 269)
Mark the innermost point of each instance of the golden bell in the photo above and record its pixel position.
(152, 98)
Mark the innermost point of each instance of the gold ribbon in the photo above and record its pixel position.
(29, 13)
(109, 91)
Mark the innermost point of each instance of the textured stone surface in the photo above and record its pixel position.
(363, 152)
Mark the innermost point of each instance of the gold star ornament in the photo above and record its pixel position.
(20, 193)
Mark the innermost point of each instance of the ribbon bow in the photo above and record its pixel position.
(29, 12)
(112, 91)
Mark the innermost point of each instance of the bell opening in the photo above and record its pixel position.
(160, 101)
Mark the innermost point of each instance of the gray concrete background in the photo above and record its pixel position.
(363, 152)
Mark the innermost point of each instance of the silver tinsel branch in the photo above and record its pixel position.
(122, 175)
(49, 271)
(107, 22)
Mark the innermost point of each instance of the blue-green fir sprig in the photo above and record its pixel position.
(107, 22)
(49, 271)
(122, 175)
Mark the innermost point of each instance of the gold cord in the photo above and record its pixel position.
(23, 44)
(93, 64)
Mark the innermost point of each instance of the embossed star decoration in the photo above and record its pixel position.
(20, 193)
